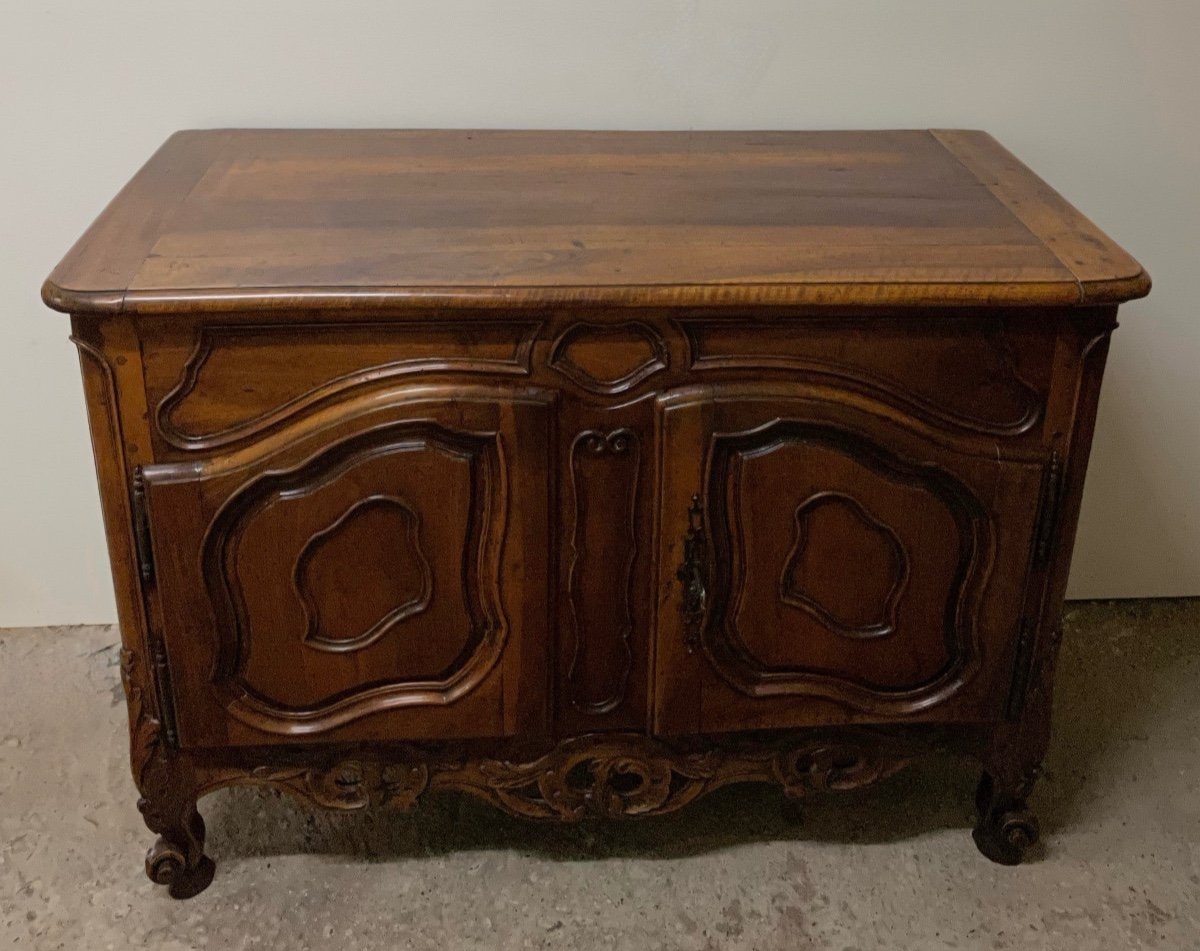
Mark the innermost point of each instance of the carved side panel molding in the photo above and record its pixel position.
(262, 376)
(966, 379)
(604, 545)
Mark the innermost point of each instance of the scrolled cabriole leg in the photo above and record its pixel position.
(167, 783)
(177, 858)
(1012, 758)
(1005, 829)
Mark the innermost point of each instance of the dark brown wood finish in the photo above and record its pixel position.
(509, 218)
(379, 553)
(586, 472)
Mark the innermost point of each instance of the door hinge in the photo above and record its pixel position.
(691, 575)
(1022, 666)
(141, 527)
(1047, 525)
(166, 699)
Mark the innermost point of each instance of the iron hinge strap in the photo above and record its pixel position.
(1044, 536)
(691, 575)
(1045, 528)
(166, 698)
(1022, 668)
(141, 528)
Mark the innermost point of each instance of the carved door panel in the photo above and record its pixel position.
(373, 572)
(847, 563)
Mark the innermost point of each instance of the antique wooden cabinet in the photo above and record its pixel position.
(586, 472)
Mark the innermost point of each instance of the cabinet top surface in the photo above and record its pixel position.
(332, 219)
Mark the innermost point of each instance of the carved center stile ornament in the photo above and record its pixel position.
(600, 610)
(607, 359)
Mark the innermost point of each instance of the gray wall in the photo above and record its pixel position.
(1099, 96)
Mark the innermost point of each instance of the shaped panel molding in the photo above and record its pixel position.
(966, 377)
(797, 612)
(364, 580)
(831, 529)
(242, 381)
(331, 563)
(607, 359)
(604, 534)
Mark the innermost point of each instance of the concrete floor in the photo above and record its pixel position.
(889, 867)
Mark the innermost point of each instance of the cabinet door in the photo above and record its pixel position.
(840, 563)
(375, 571)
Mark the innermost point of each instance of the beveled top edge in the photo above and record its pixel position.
(95, 275)
(856, 294)
(874, 295)
(1105, 272)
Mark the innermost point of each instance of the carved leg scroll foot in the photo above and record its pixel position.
(1006, 828)
(177, 859)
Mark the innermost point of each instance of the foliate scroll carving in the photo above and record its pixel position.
(168, 788)
(352, 784)
(604, 493)
(602, 775)
(145, 731)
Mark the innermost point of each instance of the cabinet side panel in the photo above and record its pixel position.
(1083, 348)
(1015, 748)
(110, 362)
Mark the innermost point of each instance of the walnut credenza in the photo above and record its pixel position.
(586, 472)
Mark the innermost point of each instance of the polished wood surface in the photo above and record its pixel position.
(579, 549)
(380, 574)
(839, 544)
(263, 219)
